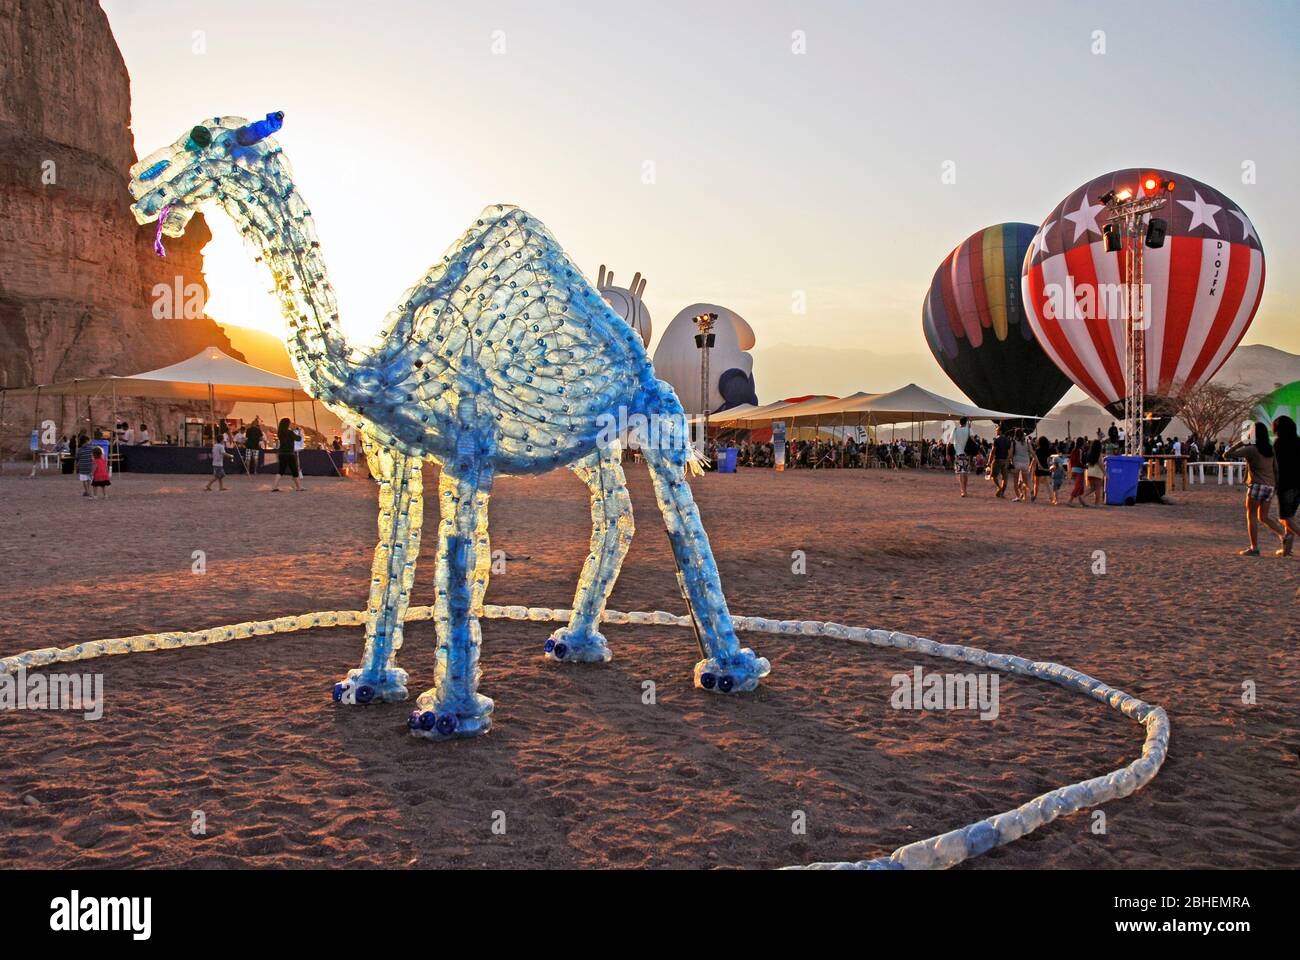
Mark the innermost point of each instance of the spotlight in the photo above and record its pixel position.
(1107, 198)
(1110, 233)
(1156, 231)
(1170, 186)
(1124, 194)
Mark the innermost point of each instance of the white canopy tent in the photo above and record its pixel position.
(206, 373)
(209, 375)
(905, 405)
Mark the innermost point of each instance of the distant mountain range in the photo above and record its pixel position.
(1257, 366)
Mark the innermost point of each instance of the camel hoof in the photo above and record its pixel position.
(738, 673)
(564, 646)
(434, 721)
(354, 689)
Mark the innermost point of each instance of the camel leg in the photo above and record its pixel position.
(727, 666)
(392, 574)
(453, 707)
(611, 535)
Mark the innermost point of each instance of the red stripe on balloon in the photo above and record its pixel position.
(949, 298)
(961, 288)
(1184, 279)
(1078, 261)
(976, 279)
(1259, 295)
(1234, 289)
(1051, 328)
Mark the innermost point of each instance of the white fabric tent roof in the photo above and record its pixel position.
(768, 411)
(904, 405)
(230, 379)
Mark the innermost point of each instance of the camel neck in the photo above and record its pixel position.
(276, 223)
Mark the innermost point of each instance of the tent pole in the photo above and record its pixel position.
(115, 441)
(212, 412)
(328, 452)
(4, 395)
(36, 424)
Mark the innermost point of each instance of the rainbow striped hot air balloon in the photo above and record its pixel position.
(976, 327)
(1204, 284)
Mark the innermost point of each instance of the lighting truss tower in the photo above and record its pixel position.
(1127, 226)
(704, 339)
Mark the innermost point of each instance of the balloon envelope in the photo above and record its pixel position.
(1204, 286)
(975, 324)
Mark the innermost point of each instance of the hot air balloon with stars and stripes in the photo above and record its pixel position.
(1203, 279)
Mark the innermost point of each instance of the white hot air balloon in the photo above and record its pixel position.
(627, 302)
(731, 368)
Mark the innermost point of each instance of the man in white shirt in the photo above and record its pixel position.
(144, 435)
(128, 437)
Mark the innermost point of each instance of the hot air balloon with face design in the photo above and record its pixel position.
(1203, 285)
(976, 327)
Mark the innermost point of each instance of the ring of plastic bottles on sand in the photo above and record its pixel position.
(939, 852)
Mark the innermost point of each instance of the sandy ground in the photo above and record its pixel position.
(580, 769)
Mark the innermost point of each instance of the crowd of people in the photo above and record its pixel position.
(246, 445)
(1022, 466)
(850, 452)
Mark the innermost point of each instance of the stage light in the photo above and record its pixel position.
(1170, 186)
(1107, 198)
(1124, 194)
(1110, 234)
(1150, 184)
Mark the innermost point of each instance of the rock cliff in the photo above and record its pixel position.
(77, 274)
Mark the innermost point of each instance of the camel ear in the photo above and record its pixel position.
(641, 290)
(636, 279)
(601, 281)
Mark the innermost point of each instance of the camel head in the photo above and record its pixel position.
(174, 181)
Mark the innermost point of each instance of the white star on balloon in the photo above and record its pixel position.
(1202, 212)
(1085, 218)
(1040, 241)
(1247, 230)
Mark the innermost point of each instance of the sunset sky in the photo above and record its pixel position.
(687, 140)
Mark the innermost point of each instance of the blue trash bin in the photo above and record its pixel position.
(727, 462)
(1122, 475)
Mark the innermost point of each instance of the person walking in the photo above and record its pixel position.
(253, 445)
(1094, 472)
(964, 443)
(998, 469)
(1042, 464)
(1021, 459)
(1077, 470)
(85, 461)
(218, 465)
(1286, 469)
(1260, 484)
(99, 471)
(287, 455)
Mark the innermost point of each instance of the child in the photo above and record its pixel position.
(1059, 464)
(218, 466)
(99, 471)
(85, 466)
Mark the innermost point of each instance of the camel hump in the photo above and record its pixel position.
(505, 308)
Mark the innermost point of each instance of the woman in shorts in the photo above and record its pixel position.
(1021, 460)
(1042, 464)
(1260, 484)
